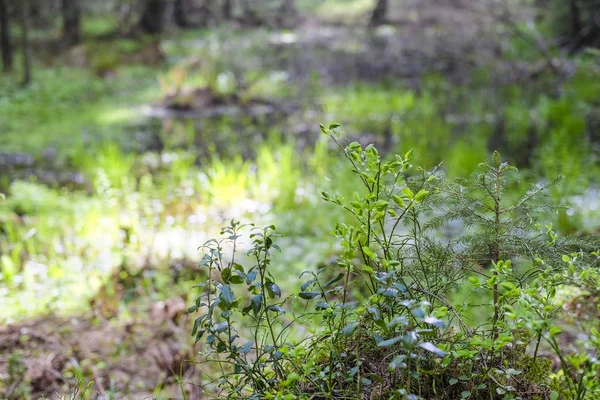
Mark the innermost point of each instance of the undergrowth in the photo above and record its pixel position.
(380, 322)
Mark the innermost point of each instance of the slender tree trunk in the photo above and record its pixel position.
(5, 41)
(71, 11)
(379, 12)
(227, 9)
(179, 14)
(575, 17)
(26, 48)
(152, 20)
(287, 14)
(250, 14)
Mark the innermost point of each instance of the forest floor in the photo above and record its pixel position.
(148, 354)
(141, 348)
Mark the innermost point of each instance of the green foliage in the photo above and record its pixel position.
(380, 320)
(15, 386)
(68, 108)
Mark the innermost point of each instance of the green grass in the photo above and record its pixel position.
(86, 118)
(98, 25)
(338, 10)
(66, 108)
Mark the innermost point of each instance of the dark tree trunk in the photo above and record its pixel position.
(179, 14)
(5, 41)
(379, 12)
(152, 20)
(575, 17)
(71, 11)
(37, 10)
(250, 15)
(287, 16)
(26, 48)
(227, 9)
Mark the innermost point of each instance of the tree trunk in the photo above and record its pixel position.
(575, 18)
(379, 13)
(287, 15)
(5, 42)
(227, 9)
(179, 14)
(71, 11)
(250, 15)
(26, 48)
(152, 20)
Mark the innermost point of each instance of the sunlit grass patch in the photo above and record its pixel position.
(336, 10)
(94, 25)
(66, 107)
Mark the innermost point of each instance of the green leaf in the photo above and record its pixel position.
(453, 381)
(368, 270)
(276, 309)
(333, 280)
(398, 362)
(227, 298)
(418, 312)
(273, 289)
(432, 348)
(555, 331)
(440, 312)
(221, 327)
(196, 325)
(434, 321)
(251, 277)
(389, 342)
(308, 295)
(380, 205)
(306, 284)
(226, 274)
(369, 253)
(508, 285)
(421, 195)
(355, 146)
(236, 279)
(245, 349)
(349, 329)
(371, 151)
(256, 303)
(566, 258)
(408, 193)
(399, 201)
(375, 312)
(237, 266)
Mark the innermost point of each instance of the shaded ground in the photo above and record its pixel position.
(150, 351)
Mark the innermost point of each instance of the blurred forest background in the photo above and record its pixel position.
(132, 130)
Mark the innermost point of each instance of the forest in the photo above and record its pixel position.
(300, 199)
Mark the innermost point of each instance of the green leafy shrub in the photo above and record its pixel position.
(381, 322)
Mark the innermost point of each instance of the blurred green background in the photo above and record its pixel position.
(132, 130)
